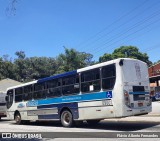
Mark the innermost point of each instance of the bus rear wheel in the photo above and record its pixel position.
(18, 118)
(67, 118)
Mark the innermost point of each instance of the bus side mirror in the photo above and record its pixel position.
(6, 98)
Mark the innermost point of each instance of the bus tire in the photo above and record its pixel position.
(18, 119)
(67, 118)
(93, 122)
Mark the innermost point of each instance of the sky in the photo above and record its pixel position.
(45, 27)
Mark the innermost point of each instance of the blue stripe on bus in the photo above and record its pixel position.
(138, 92)
(57, 76)
(76, 98)
(72, 106)
(69, 99)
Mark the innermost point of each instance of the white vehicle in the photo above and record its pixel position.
(2, 105)
(113, 89)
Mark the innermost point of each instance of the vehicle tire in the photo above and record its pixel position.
(18, 119)
(67, 118)
(93, 122)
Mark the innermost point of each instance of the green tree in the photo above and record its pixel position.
(6, 68)
(126, 52)
(72, 60)
(19, 66)
(26, 69)
(105, 57)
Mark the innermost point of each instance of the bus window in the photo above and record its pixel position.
(39, 92)
(54, 92)
(108, 77)
(53, 83)
(70, 85)
(18, 94)
(39, 87)
(10, 98)
(27, 93)
(90, 81)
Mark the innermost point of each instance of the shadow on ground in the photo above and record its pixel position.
(103, 125)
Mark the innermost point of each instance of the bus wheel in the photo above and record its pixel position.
(67, 119)
(93, 122)
(18, 118)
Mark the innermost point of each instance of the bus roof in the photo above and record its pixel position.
(22, 85)
(105, 63)
(57, 76)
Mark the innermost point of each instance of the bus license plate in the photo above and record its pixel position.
(140, 104)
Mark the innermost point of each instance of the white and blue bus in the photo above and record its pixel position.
(117, 88)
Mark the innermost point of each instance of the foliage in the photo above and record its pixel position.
(72, 60)
(126, 52)
(26, 69)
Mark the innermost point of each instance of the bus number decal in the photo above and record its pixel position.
(107, 102)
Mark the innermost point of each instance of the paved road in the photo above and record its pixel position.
(114, 125)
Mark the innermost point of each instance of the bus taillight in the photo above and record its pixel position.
(126, 99)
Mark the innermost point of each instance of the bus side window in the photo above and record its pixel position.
(10, 98)
(18, 94)
(27, 93)
(70, 85)
(54, 88)
(90, 81)
(39, 91)
(108, 77)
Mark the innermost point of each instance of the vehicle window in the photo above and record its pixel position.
(53, 83)
(39, 91)
(39, 86)
(90, 81)
(54, 92)
(18, 94)
(108, 76)
(70, 85)
(10, 98)
(28, 89)
(27, 93)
